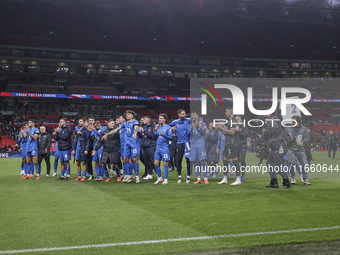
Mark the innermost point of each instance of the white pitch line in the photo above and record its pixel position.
(166, 240)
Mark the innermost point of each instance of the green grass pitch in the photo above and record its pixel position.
(48, 213)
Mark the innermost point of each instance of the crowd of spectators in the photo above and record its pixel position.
(7, 128)
(39, 110)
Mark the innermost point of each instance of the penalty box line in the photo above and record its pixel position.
(166, 240)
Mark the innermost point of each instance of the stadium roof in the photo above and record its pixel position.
(319, 11)
(316, 11)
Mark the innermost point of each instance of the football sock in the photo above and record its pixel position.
(158, 171)
(166, 172)
(55, 164)
(136, 166)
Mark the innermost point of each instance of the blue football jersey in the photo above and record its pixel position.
(122, 136)
(97, 134)
(163, 141)
(183, 130)
(197, 136)
(23, 141)
(32, 144)
(129, 127)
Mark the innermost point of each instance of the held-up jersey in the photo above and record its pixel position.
(32, 144)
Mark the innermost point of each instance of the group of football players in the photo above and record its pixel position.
(126, 139)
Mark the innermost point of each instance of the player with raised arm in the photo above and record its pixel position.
(131, 147)
(198, 153)
(182, 125)
(32, 149)
(163, 134)
(110, 145)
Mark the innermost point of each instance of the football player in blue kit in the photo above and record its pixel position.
(56, 156)
(120, 120)
(198, 153)
(64, 138)
(131, 147)
(182, 125)
(22, 140)
(81, 147)
(96, 133)
(163, 134)
(32, 148)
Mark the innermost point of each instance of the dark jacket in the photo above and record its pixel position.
(146, 136)
(83, 139)
(241, 137)
(210, 145)
(332, 140)
(111, 143)
(273, 135)
(44, 142)
(64, 138)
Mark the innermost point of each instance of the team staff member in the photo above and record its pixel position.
(44, 149)
(64, 138)
(182, 125)
(111, 148)
(273, 136)
(332, 143)
(148, 146)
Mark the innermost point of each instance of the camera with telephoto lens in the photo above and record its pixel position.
(261, 149)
